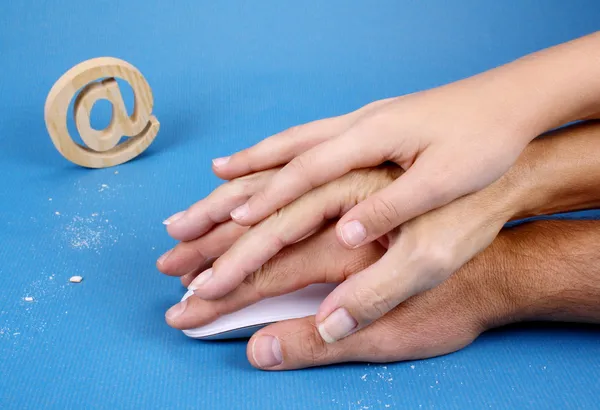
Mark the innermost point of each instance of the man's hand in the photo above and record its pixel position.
(540, 271)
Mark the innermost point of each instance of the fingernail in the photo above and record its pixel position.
(164, 257)
(353, 233)
(173, 218)
(240, 211)
(176, 311)
(337, 326)
(266, 351)
(219, 162)
(201, 279)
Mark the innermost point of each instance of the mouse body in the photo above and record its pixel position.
(245, 322)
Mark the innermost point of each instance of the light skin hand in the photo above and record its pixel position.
(431, 246)
(540, 271)
(452, 140)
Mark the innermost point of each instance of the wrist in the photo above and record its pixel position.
(487, 288)
(545, 270)
(510, 289)
(554, 174)
(547, 89)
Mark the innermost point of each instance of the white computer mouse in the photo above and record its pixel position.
(244, 322)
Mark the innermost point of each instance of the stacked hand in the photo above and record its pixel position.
(443, 199)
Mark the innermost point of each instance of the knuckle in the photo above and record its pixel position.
(199, 256)
(299, 165)
(363, 258)
(436, 262)
(292, 132)
(312, 347)
(234, 188)
(372, 304)
(260, 282)
(383, 213)
(260, 197)
(276, 276)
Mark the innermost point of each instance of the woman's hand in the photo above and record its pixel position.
(521, 276)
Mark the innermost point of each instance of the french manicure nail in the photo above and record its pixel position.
(176, 311)
(266, 351)
(240, 212)
(201, 279)
(353, 233)
(164, 257)
(219, 162)
(173, 218)
(338, 325)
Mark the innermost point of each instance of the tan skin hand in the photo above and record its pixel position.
(437, 322)
(434, 323)
(521, 276)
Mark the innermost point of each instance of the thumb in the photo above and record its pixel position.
(296, 344)
(420, 189)
(405, 270)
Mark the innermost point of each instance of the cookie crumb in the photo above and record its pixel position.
(75, 279)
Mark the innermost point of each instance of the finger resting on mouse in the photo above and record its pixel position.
(318, 259)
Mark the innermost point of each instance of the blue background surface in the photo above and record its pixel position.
(225, 75)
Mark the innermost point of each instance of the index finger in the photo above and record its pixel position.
(282, 147)
(306, 172)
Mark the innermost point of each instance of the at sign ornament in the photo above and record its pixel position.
(96, 80)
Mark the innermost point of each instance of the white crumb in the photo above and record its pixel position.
(116, 172)
(49, 199)
(75, 279)
(28, 299)
(56, 213)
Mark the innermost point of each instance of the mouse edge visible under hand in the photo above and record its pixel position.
(245, 322)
